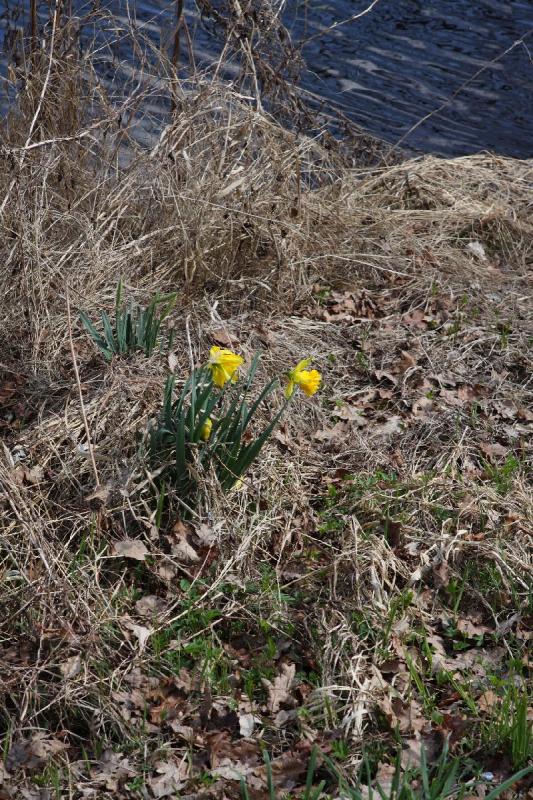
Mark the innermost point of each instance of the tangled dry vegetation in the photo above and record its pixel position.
(368, 588)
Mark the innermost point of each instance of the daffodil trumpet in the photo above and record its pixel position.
(224, 365)
(307, 380)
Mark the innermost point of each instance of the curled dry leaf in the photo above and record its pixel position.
(476, 248)
(471, 629)
(338, 434)
(112, 769)
(31, 475)
(487, 700)
(142, 633)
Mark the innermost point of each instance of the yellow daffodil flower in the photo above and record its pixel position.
(224, 365)
(207, 427)
(308, 380)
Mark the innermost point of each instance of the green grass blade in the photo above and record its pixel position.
(269, 388)
(181, 462)
(118, 297)
(250, 452)
(202, 418)
(424, 772)
(318, 791)
(108, 333)
(97, 337)
(497, 791)
(169, 300)
(148, 339)
(244, 790)
(270, 777)
(140, 328)
(310, 773)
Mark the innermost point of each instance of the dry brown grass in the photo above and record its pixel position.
(425, 348)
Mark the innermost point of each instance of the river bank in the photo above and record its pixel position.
(365, 593)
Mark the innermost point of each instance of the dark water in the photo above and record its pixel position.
(400, 62)
(406, 58)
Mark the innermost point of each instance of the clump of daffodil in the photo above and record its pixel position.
(308, 380)
(224, 365)
(205, 431)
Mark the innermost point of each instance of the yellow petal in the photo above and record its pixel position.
(223, 365)
(219, 376)
(207, 427)
(309, 381)
(301, 365)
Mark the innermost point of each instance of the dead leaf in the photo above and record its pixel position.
(283, 435)
(44, 747)
(422, 407)
(171, 778)
(149, 606)
(389, 428)
(488, 700)
(112, 769)
(441, 574)
(383, 374)
(142, 633)
(279, 690)
(410, 716)
(351, 414)
(180, 544)
(506, 409)
(33, 753)
(470, 629)
(99, 497)
(205, 534)
(231, 759)
(223, 337)
(416, 319)
(130, 548)
(31, 475)
(247, 723)
(71, 667)
(337, 435)
(407, 361)
(493, 450)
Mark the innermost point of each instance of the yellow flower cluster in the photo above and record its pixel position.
(224, 365)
